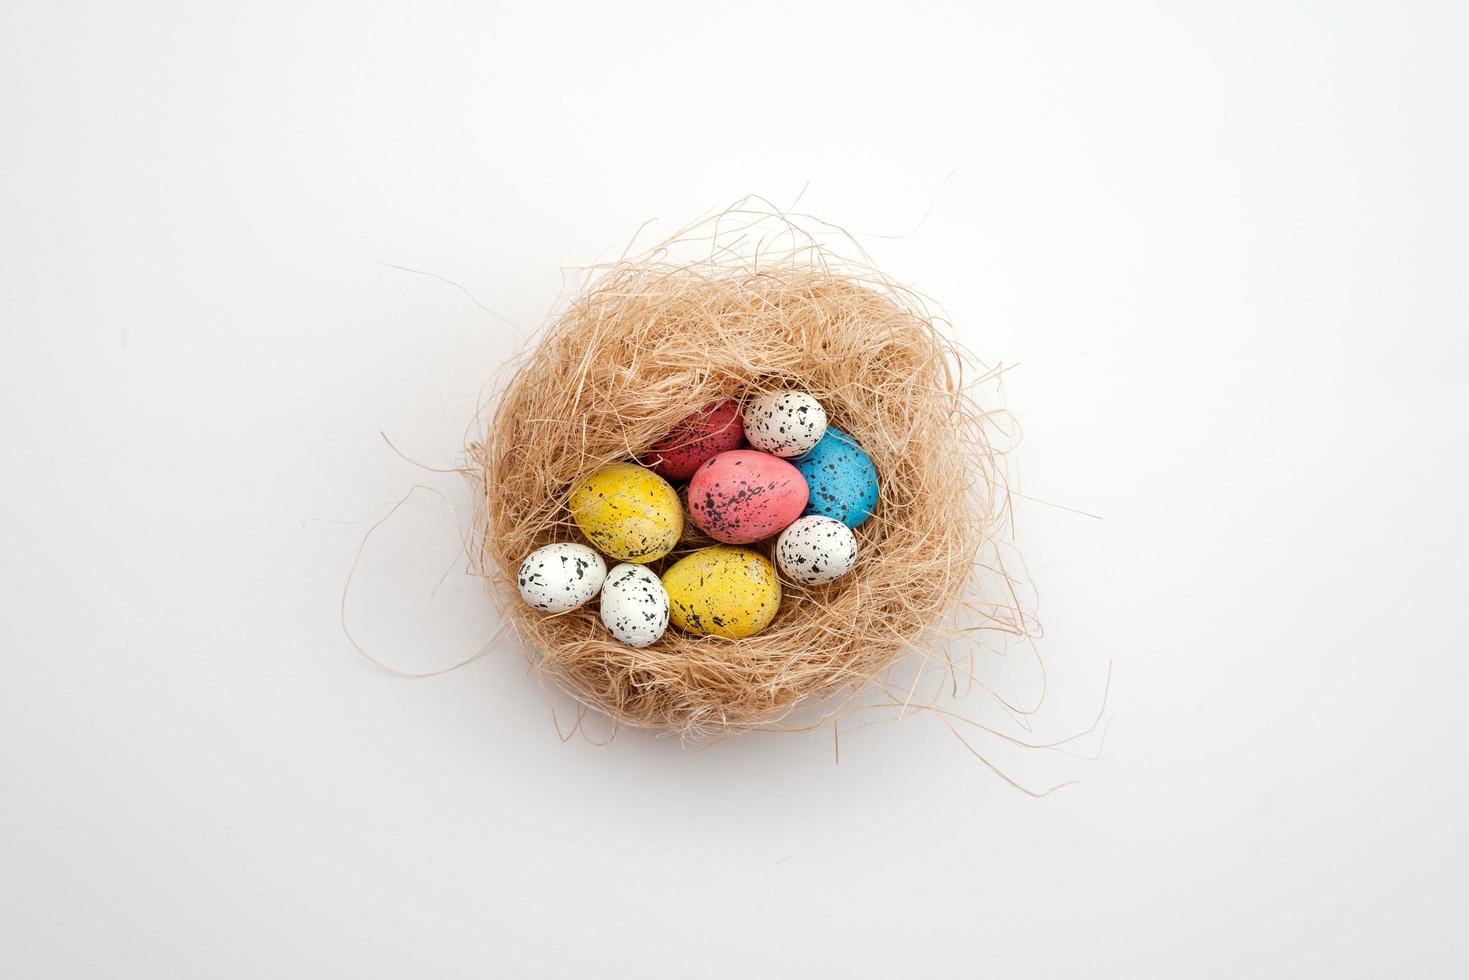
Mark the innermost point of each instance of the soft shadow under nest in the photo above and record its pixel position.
(650, 341)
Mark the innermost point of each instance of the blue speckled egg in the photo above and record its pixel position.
(841, 479)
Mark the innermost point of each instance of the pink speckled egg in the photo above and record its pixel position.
(743, 496)
(696, 439)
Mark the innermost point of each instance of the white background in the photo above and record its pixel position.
(1224, 244)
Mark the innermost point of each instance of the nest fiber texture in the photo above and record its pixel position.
(649, 342)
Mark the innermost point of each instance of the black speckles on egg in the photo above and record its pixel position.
(745, 496)
(634, 605)
(627, 511)
(786, 423)
(560, 577)
(724, 591)
(816, 549)
(697, 438)
(841, 477)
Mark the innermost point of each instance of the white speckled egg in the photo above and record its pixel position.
(786, 423)
(634, 605)
(816, 550)
(561, 576)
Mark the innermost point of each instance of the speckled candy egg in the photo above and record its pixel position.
(628, 512)
(559, 577)
(723, 591)
(787, 423)
(841, 479)
(634, 605)
(813, 551)
(697, 438)
(743, 496)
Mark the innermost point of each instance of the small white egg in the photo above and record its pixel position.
(561, 576)
(786, 423)
(634, 605)
(816, 550)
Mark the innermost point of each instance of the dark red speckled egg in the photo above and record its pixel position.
(743, 496)
(696, 439)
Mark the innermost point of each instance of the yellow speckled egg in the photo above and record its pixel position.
(722, 590)
(628, 512)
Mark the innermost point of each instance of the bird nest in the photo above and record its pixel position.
(653, 338)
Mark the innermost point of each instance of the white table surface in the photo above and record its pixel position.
(1223, 244)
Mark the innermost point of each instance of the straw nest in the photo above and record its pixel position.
(653, 338)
